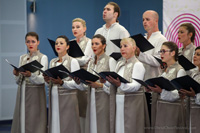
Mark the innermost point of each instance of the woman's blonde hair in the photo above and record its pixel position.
(131, 40)
(80, 20)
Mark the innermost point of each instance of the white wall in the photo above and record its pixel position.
(13, 27)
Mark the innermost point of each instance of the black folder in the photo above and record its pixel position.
(116, 42)
(142, 43)
(112, 74)
(185, 63)
(185, 82)
(54, 72)
(83, 75)
(142, 83)
(116, 55)
(52, 43)
(160, 61)
(74, 49)
(27, 67)
(162, 82)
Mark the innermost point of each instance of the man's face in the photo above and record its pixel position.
(108, 12)
(149, 21)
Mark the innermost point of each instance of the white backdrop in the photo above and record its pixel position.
(176, 12)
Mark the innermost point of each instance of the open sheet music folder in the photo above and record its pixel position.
(54, 72)
(27, 67)
(184, 82)
(112, 74)
(83, 75)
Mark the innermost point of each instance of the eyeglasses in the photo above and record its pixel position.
(163, 51)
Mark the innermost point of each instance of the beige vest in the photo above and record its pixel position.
(101, 98)
(172, 71)
(35, 56)
(35, 101)
(175, 110)
(188, 52)
(83, 43)
(66, 61)
(193, 110)
(134, 102)
(68, 104)
(128, 69)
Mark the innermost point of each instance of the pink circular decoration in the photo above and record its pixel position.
(172, 30)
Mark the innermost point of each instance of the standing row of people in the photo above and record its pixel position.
(112, 106)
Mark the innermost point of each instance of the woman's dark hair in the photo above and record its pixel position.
(116, 8)
(173, 47)
(197, 48)
(34, 34)
(65, 38)
(190, 29)
(102, 39)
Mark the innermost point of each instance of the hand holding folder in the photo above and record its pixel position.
(54, 72)
(184, 82)
(83, 75)
(27, 67)
(112, 74)
(162, 82)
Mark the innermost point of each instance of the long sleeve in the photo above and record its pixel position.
(138, 73)
(197, 99)
(71, 84)
(156, 39)
(88, 54)
(172, 95)
(39, 79)
(112, 65)
(149, 59)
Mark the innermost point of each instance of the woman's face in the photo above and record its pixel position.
(61, 46)
(78, 30)
(32, 43)
(127, 49)
(183, 35)
(196, 58)
(97, 46)
(166, 54)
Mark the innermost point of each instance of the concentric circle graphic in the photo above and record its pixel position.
(172, 30)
